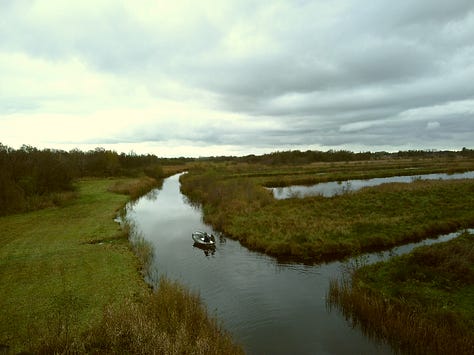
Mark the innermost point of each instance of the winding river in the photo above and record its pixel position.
(269, 307)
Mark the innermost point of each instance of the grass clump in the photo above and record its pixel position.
(420, 303)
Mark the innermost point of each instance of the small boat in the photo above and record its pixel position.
(204, 239)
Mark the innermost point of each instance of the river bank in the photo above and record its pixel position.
(420, 302)
(66, 272)
(268, 306)
(254, 295)
(317, 229)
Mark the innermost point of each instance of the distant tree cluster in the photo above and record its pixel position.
(28, 172)
(296, 157)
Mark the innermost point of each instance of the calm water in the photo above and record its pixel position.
(332, 188)
(269, 307)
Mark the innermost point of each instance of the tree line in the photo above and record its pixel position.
(297, 157)
(28, 173)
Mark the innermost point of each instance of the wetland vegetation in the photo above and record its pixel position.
(70, 281)
(421, 302)
(316, 229)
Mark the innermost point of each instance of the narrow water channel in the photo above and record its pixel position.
(332, 188)
(269, 307)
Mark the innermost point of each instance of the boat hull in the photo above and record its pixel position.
(203, 239)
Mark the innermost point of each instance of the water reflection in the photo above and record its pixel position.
(269, 306)
(208, 250)
(333, 188)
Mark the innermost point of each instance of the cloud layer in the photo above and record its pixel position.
(200, 78)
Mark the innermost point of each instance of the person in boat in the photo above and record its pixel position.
(206, 238)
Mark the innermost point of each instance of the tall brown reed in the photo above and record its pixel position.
(169, 321)
(402, 324)
(135, 188)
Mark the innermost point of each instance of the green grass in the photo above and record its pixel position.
(61, 267)
(421, 302)
(47, 256)
(316, 229)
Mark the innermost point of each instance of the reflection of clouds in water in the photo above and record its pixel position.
(254, 295)
(333, 188)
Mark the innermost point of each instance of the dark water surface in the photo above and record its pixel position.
(332, 188)
(269, 307)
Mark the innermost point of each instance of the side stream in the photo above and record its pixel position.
(269, 307)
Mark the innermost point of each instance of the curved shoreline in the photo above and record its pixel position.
(66, 271)
(419, 302)
(318, 229)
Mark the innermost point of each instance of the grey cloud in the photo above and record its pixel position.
(348, 77)
(430, 11)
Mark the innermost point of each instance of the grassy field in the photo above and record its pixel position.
(316, 229)
(286, 175)
(421, 303)
(67, 273)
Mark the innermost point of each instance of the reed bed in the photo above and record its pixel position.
(420, 303)
(308, 174)
(317, 229)
(170, 320)
(134, 187)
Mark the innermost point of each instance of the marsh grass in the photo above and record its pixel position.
(222, 198)
(171, 320)
(142, 249)
(420, 303)
(135, 187)
(317, 229)
(309, 174)
(67, 273)
(331, 171)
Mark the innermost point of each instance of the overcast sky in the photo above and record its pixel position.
(201, 78)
